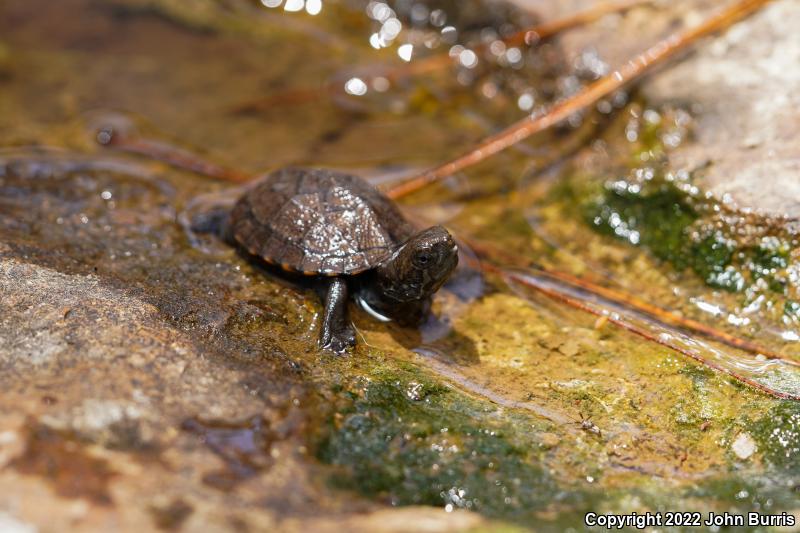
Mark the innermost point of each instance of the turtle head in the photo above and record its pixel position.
(419, 267)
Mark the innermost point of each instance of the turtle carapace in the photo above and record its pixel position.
(342, 230)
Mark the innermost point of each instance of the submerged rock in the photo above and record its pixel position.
(99, 397)
(743, 85)
(740, 86)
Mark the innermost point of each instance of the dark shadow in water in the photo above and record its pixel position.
(437, 334)
(243, 446)
(452, 348)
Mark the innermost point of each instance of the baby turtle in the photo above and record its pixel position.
(352, 238)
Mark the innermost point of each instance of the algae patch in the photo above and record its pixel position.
(658, 215)
(410, 440)
(629, 191)
(778, 437)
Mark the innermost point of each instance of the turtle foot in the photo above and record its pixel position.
(338, 342)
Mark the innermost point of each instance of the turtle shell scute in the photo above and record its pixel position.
(318, 222)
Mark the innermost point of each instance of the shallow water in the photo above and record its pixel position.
(507, 403)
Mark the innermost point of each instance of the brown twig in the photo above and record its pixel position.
(667, 317)
(169, 154)
(436, 62)
(488, 252)
(547, 30)
(627, 73)
(577, 304)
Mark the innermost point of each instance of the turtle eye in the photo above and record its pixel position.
(423, 258)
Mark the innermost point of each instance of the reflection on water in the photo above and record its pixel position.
(204, 219)
(781, 375)
(244, 447)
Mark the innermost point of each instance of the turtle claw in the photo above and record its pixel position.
(338, 342)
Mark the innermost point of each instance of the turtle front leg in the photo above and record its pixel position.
(337, 333)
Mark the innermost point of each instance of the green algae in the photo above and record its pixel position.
(638, 199)
(657, 217)
(689, 412)
(678, 228)
(399, 435)
(407, 439)
(778, 436)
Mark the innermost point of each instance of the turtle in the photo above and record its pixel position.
(350, 239)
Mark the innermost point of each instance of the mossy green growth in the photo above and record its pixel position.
(769, 486)
(657, 218)
(692, 409)
(711, 258)
(778, 437)
(656, 214)
(741, 494)
(409, 440)
(791, 310)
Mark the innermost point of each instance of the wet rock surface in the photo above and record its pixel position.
(97, 387)
(153, 380)
(115, 419)
(739, 86)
